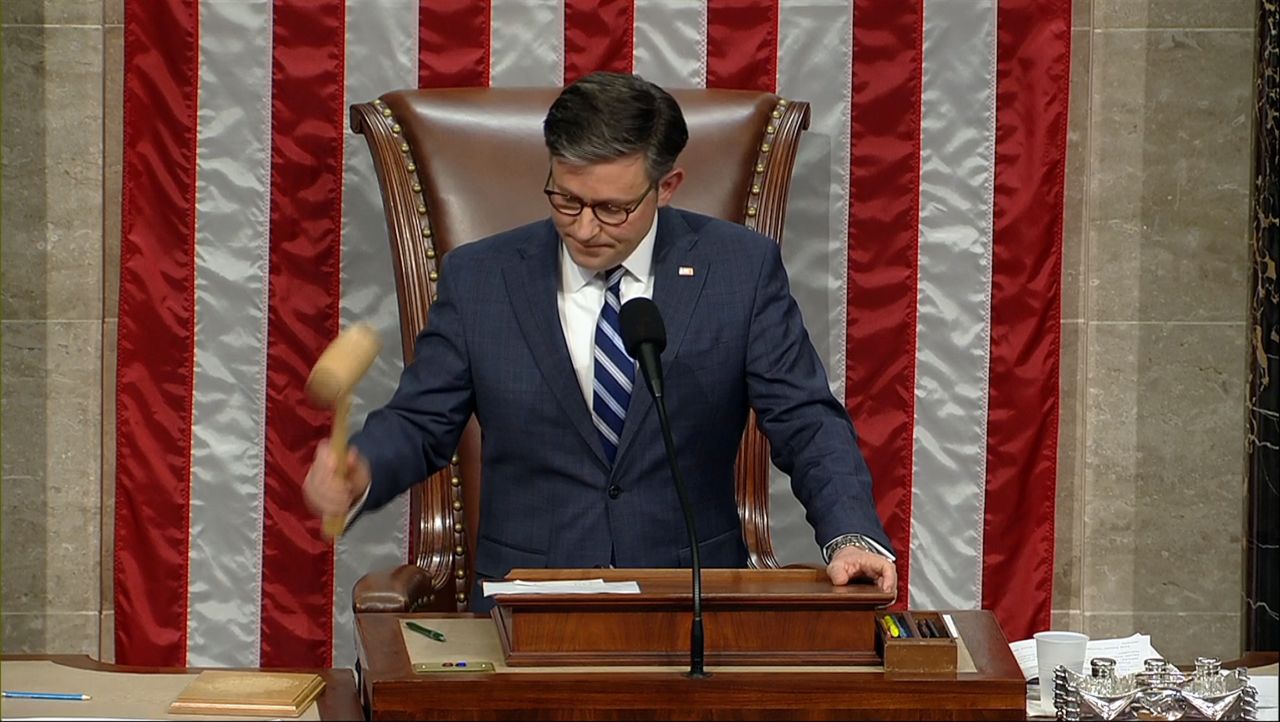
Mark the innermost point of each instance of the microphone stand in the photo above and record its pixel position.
(696, 651)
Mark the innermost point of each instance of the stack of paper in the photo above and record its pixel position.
(1128, 652)
(563, 586)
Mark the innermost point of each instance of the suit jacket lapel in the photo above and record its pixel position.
(676, 296)
(532, 286)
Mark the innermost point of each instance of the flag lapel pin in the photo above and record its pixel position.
(685, 271)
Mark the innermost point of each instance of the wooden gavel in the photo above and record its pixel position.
(330, 384)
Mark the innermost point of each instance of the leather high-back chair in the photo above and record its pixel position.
(456, 165)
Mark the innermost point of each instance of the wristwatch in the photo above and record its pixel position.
(853, 540)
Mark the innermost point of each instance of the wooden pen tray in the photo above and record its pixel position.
(927, 648)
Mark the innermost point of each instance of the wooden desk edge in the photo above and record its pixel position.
(337, 701)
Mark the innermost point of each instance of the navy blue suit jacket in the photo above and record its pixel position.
(494, 346)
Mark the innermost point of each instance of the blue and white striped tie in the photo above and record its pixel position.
(614, 369)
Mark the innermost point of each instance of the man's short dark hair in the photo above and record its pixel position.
(605, 116)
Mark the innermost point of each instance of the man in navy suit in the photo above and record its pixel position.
(524, 335)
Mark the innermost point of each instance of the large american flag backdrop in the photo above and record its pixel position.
(923, 241)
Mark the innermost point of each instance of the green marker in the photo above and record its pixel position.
(425, 631)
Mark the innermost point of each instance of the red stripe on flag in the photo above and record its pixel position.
(598, 35)
(1032, 52)
(884, 199)
(453, 43)
(157, 332)
(742, 45)
(307, 113)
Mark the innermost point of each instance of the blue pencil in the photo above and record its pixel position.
(45, 695)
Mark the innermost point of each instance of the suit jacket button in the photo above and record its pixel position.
(614, 491)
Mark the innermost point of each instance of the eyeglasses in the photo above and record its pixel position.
(609, 214)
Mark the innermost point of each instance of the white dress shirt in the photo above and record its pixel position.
(581, 296)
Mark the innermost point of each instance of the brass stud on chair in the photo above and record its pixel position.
(771, 129)
(755, 188)
(395, 129)
(764, 147)
(782, 102)
(457, 527)
(459, 550)
(431, 253)
(760, 166)
(386, 112)
(433, 276)
(751, 211)
(455, 481)
(457, 505)
(411, 167)
(426, 233)
(422, 209)
(417, 187)
(454, 460)
(462, 598)
(460, 573)
(777, 114)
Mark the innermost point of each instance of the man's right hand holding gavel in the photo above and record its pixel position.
(329, 494)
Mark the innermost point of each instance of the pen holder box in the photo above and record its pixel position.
(916, 652)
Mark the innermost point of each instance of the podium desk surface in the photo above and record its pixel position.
(989, 686)
(119, 690)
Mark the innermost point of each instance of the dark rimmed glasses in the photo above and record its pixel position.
(609, 214)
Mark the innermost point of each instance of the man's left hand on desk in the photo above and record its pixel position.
(851, 563)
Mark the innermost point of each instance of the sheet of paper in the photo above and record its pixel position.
(561, 586)
(1268, 695)
(1128, 652)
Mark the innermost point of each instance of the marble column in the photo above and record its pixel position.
(1262, 611)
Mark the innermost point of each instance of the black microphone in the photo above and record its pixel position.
(645, 336)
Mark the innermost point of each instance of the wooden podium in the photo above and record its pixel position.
(783, 645)
(751, 617)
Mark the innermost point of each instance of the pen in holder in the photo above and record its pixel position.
(915, 642)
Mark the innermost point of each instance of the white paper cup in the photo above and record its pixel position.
(1058, 648)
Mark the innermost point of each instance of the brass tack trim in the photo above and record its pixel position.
(412, 166)
(461, 574)
(462, 598)
(771, 129)
(782, 102)
(454, 459)
(386, 112)
(764, 147)
(755, 188)
(760, 167)
(457, 505)
(431, 253)
(459, 550)
(396, 129)
(417, 187)
(422, 209)
(455, 481)
(751, 211)
(458, 527)
(404, 147)
(777, 114)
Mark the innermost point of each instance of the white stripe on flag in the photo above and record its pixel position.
(671, 43)
(957, 146)
(526, 43)
(381, 55)
(232, 221)
(815, 247)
